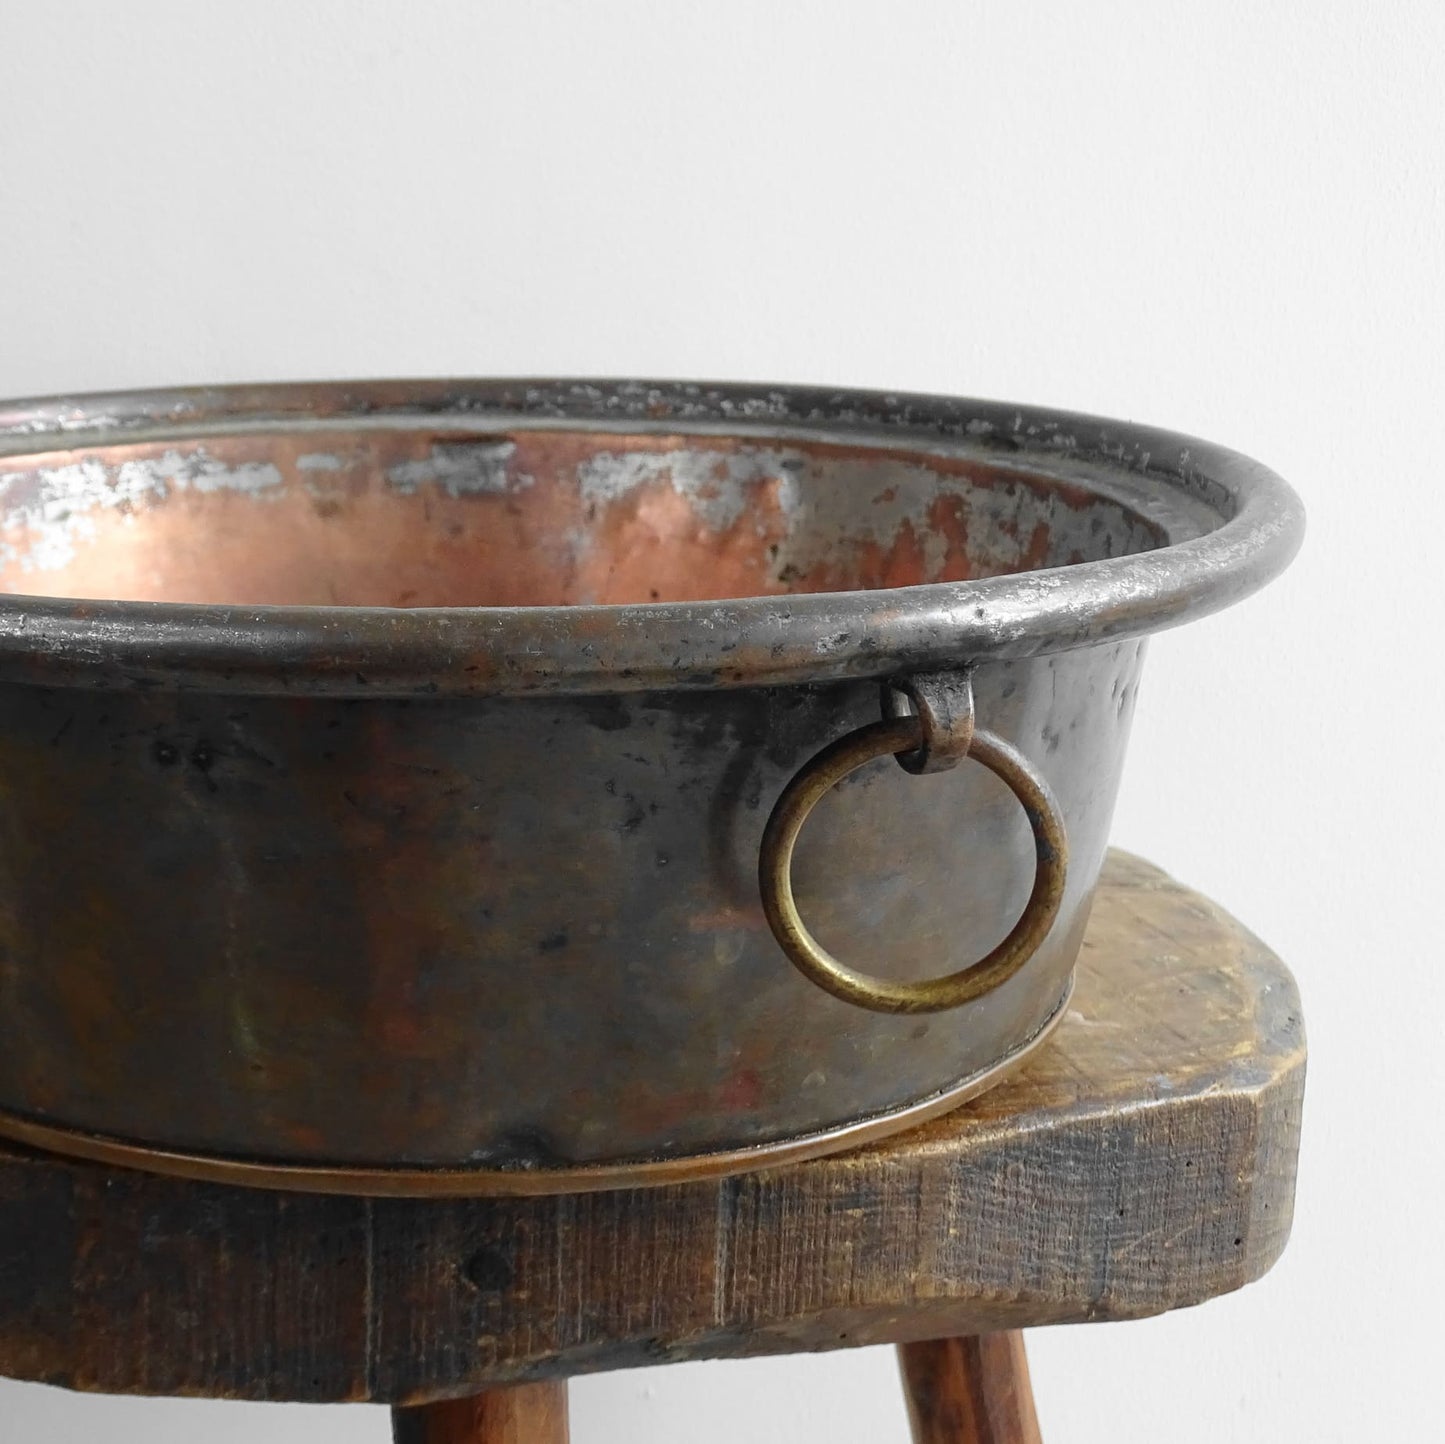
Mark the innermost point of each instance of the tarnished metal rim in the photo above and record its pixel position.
(371, 651)
(483, 1182)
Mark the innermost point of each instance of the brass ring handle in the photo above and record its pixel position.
(893, 736)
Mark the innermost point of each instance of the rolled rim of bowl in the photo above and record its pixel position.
(1255, 526)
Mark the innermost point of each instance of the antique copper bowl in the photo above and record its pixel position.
(401, 780)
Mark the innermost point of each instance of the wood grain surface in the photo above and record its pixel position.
(973, 1390)
(513, 1414)
(1143, 1161)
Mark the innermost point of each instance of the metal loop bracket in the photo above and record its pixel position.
(900, 736)
(943, 704)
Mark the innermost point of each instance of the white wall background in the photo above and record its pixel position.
(1222, 217)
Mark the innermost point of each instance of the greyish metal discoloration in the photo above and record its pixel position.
(716, 487)
(434, 726)
(319, 461)
(821, 501)
(461, 469)
(55, 504)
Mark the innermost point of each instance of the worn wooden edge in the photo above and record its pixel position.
(1144, 1161)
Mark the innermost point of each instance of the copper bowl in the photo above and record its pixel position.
(386, 767)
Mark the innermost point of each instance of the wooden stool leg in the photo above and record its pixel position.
(518, 1414)
(972, 1390)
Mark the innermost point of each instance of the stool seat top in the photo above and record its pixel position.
(1142, 1161)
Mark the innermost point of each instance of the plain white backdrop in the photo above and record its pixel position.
(1224, 218)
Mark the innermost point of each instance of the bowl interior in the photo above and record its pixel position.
(414, 517)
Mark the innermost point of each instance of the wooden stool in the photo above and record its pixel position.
(1143, 1161)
